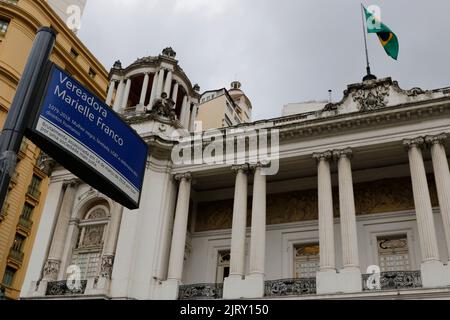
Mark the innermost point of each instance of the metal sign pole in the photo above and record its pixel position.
(22, 108)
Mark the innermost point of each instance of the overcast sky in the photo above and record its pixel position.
(282, 51)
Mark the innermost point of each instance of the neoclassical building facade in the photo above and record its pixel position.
(359, 206)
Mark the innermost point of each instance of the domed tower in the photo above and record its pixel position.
(155, 87)
(244, 106)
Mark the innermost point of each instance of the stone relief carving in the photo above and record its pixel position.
(51, 269)
(107, 266)
(387, 195)
(372, 98)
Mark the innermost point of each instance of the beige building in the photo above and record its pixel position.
(224, 108)
(21, 212)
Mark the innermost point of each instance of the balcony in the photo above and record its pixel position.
(290, 287)
(25, 224)
(202, 291)
(61, 288)
(392, 280)
(34, 192)
(16, 256)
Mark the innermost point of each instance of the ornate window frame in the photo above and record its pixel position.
(79, 248)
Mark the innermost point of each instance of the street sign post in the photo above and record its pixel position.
(88, 138)
(74, 127)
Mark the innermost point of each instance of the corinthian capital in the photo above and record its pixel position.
(241, 167)
(437, 139)
(72, 183)
(344, 153)
(414, 143)
(183, 176)
(320, 156)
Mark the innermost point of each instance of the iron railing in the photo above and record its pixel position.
(290, 287)
(201, 291)
(392, 280)
(60, 288)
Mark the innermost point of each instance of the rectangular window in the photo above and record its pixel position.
(36, 182)
(35, 185)
(3, 27)
(306, 260)
(27, 211)
(8, 277)
(18, 243)
(88, 264)
(393, 253)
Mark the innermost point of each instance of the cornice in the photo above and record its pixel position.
(364, 119)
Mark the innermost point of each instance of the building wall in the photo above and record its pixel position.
(61, 6)
(212, 113)
(25, 17)
(201, 265)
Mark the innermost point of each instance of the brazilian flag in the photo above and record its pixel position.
(387, 38)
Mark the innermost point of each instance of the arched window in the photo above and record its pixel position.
(88, 250)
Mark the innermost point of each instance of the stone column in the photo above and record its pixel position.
(188, 114)
(178, 245)
(238, 231)
(442, 177)
(175, 94)
(168, 84)
(258, 235)
(193, 117)
(159, 88)
(126, 94)
(144, 89)
(326, 219)
(52, 265)
(184, 109)
(111, 241)
(347, 210)
(119, 95)
(424, 213)
(153, 92)
(112, 87)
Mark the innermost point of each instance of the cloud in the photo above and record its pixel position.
(208, 8)
(282, 51)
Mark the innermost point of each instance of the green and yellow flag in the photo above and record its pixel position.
(387, 38)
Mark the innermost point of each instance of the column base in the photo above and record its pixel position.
(252, 287)
(140, 108)
(255, 285)
(169, 289)
(232, 287)
(435, 274)
(326, 282)
(348, 280)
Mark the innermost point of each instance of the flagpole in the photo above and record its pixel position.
(369, 76)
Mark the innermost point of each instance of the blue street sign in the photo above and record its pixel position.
(91, 134)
